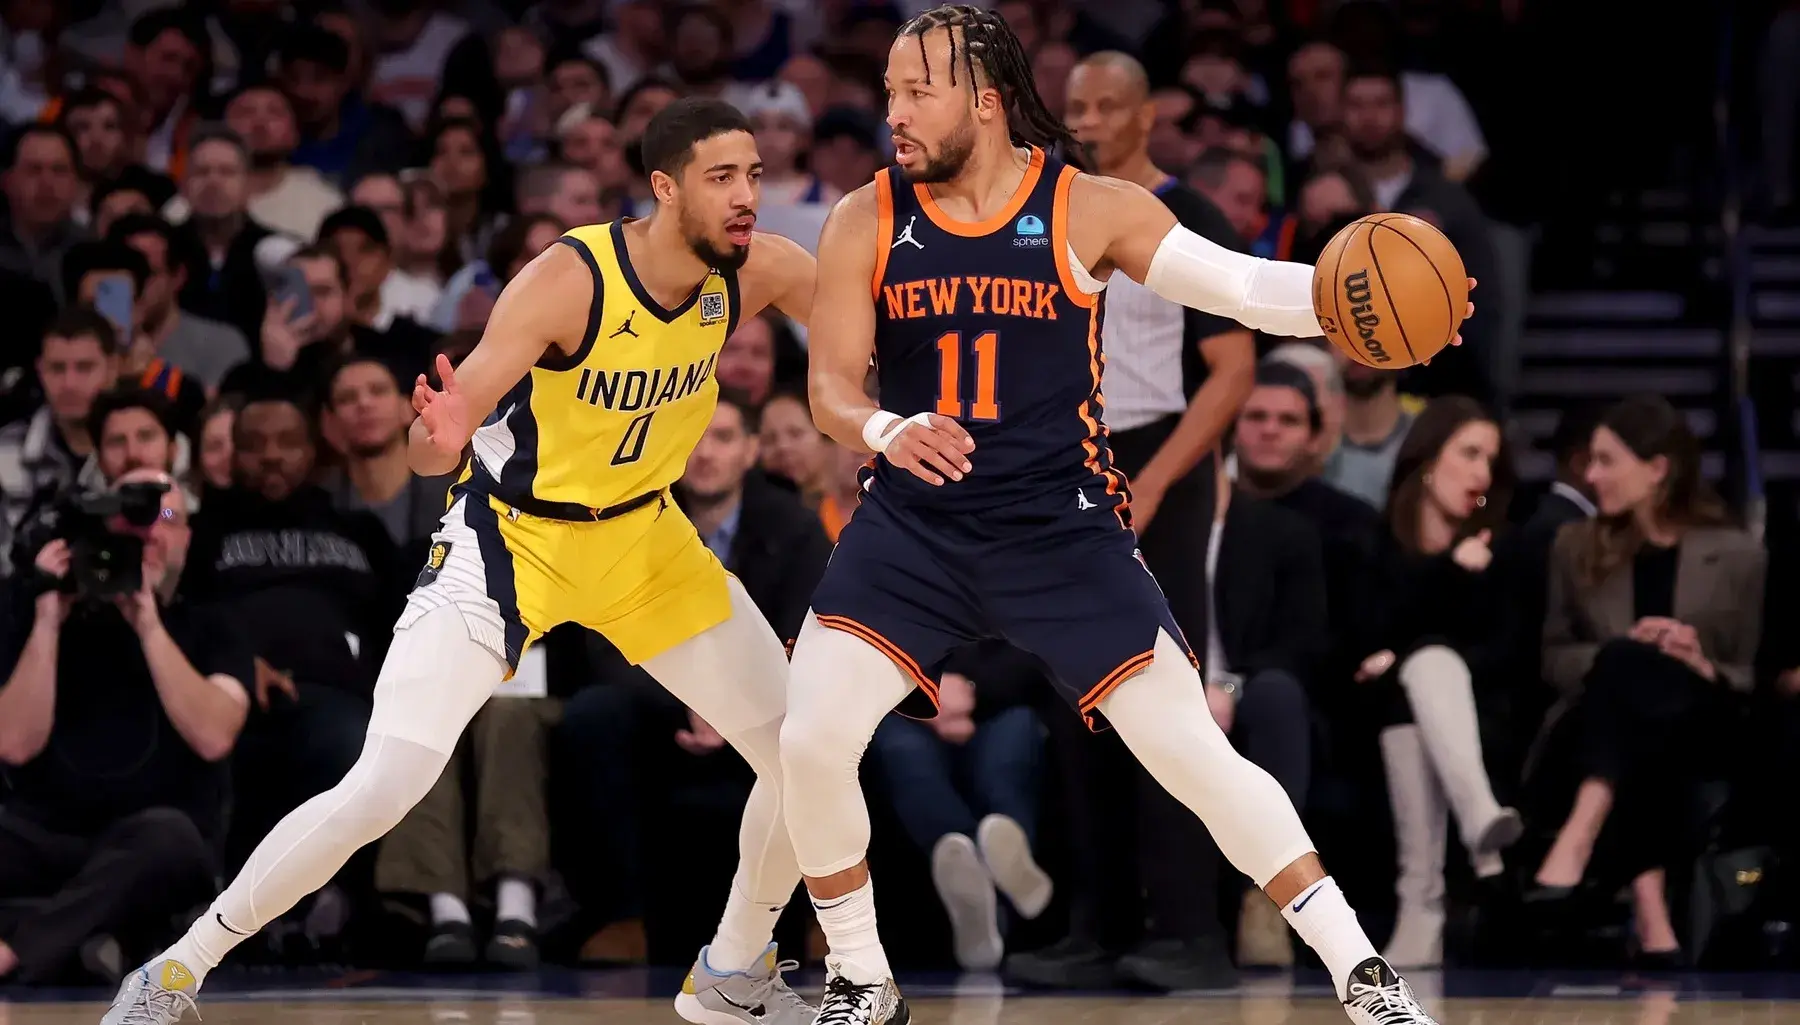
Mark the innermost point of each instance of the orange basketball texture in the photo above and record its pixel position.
(1390, 291)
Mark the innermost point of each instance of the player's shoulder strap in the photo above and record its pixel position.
(594, 244)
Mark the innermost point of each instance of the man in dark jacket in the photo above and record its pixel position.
(316, 591)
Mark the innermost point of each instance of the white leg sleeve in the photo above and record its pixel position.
(840, 688)
(1161, 715)
(735, 676)
(434, 680)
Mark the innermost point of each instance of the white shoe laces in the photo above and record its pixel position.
(158, 1006)
(1389, 1005)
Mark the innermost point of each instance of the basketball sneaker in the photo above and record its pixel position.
(848, 1003)
(156, 994)
(756, 995)
(1380, 997)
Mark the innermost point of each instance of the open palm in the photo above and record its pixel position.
(445, 413)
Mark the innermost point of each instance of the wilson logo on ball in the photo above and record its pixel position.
(1362, 314)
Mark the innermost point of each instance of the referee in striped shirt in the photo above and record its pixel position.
(1174, 381)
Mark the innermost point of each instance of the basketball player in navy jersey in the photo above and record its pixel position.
(973, 274)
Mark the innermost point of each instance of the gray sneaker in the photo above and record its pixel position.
(756, 996)
(156, 994)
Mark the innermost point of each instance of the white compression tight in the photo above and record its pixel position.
(434, 681)
(842, 686)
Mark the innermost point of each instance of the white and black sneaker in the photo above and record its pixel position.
(850, 1003)
(1379, 996)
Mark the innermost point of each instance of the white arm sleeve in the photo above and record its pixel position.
(1262, 294)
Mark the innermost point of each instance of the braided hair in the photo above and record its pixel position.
(991, 50)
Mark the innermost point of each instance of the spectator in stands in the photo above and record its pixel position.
(1442, 630)
(369, 412)
(568, 193)
(130, 428)
(1328, 199)
(41, 185)
(792, 446)
(747, 361)
(377, 299)
(136, 191)
(631, 743)
(1436, 112)
(342, 135)
(211, 469)
(167, 56)
(85, 266)
(1327, 374)
(700, 49)
(491, 831)
(383, 193)
(965, 787)
(1316, 84)
(413, 41)
(115, 718)
(587, 139)
(1276, 432)
(50, 451)
(475, 183)
(846, 149)
(1376, 422)
(1569, 500)
(200, 347)
(95, 120)
(313, 591)
(1375, 126)
(290, 199)
(227, 250)
(634, 45)
(641, 103)
(469, 296)
(794, 200)
(573, 79)
(1236, 185)
(1654, 621)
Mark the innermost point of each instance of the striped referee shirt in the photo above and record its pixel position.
(1153, 362)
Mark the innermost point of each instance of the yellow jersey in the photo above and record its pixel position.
(617, 418)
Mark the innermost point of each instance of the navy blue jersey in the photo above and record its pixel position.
(984, 323)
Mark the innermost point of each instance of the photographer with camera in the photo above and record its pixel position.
(49, 451)
(120, 705)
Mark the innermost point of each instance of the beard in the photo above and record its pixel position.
(727, 257)
(1372, 152)
(950, 158)
(1274, 481)
(1359, 387)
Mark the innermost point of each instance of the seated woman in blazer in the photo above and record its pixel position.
(1437, 617)
(1654, 614)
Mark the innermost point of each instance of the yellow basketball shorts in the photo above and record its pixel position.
(643, 580)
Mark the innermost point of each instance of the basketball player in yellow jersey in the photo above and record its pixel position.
(589, 389)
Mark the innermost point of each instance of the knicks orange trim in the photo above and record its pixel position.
(976, 229)
(1115, 482)
(1126, 670)
(1059, 240)
(884, 229)
(886, 647)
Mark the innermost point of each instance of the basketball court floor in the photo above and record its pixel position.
(636, 998)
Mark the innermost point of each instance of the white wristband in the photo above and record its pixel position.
(879, 432)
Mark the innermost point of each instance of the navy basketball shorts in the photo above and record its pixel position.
(1079, 599)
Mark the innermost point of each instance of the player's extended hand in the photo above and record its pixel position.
(444, 413)
(932, 453)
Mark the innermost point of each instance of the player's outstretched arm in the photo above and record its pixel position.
(841, 343)
(1130, 229)
(779, 273)
(546, 305)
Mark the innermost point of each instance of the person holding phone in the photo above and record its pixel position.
(111, 276)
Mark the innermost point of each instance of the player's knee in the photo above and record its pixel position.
(814, 748)
(391, 777)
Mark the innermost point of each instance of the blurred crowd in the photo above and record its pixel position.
(236, 231)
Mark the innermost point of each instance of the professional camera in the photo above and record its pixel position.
(105, 531)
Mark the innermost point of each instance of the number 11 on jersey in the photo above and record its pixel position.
(986, 350)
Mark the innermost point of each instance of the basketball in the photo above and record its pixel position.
(1390, 291)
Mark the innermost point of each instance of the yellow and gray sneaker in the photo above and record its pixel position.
(159, 993)
(850, 1003)
(756, 995)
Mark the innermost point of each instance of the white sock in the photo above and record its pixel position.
(849, 926)
(1324, 920)
(744, 933)
(515, 901)
(207, 941)
(448, 909)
